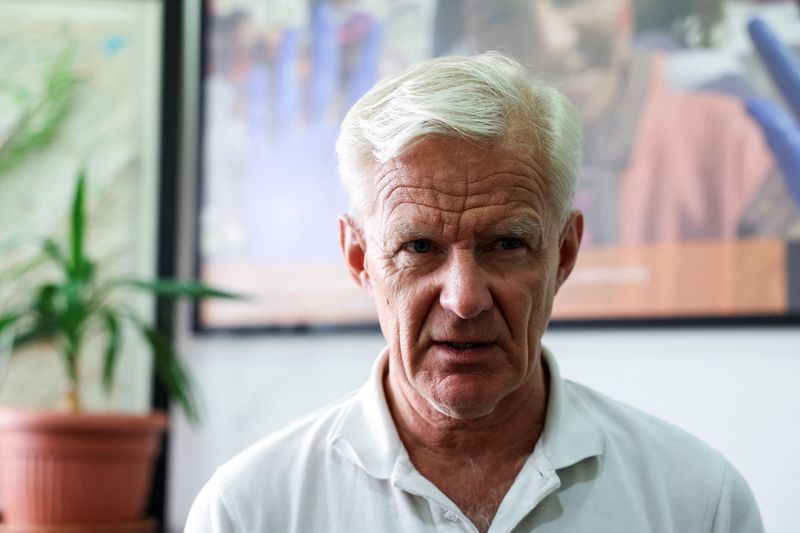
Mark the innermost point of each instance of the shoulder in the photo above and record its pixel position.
(637, 433)
(306, 440)
(669, 468)
(244, 493)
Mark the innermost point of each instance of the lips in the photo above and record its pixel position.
(464, 345)
(462, 355)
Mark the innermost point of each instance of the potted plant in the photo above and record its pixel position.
(74, 469)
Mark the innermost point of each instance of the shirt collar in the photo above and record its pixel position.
(367, 436)
(570, 433)
(366, 433)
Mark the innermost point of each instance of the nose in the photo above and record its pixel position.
(465, 286)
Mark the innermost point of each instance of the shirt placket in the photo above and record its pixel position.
(445, 514)
(537, 480)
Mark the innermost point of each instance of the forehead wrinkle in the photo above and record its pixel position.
(439, 208)
(441, 181)
(429, 194)
(389, 177)
(431, 189)
(386, 178)
(534, 163)
(438, 192)
(390, 204)
(426, 180)
(520, 177)
(514, 192)
(390, 184)
(520, 184)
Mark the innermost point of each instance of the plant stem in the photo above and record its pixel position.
(72, 399)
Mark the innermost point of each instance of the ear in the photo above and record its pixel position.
(351, 239)
(569, 243)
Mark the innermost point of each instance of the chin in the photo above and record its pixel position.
(468, 402)
(462, 412)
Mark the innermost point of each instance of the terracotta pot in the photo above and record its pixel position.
(140, 526)
(72, 469)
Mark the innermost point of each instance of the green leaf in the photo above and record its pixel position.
(112, 348)
(173, 374)
(41, 330)
(47, 301)
(49, 251)
(172, 288)
(20, 270)
(52, 249)
(41, 117)
(88, 270)
(77, 226)
(75, 311)
(8, 320)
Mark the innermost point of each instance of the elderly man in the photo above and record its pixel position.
(461, 174)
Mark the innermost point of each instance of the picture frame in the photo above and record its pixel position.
(269, 190)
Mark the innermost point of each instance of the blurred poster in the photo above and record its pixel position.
(689, 211)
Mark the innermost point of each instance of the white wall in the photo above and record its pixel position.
(737, 389)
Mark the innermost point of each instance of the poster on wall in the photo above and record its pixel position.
(690, 211)
(80, 84)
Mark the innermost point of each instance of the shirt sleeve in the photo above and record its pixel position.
(209, 513)
(737, 510)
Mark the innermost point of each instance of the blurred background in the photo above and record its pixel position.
(208, 131)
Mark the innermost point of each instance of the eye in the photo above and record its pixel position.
(509, 243)
(419, 246)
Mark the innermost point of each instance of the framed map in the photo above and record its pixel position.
(80, 86)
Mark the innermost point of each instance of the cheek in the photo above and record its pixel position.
(383, 295)
(534, 307)
(414, 301)
(519, 301)
(402, 303)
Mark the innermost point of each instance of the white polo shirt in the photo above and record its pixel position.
(599, 466)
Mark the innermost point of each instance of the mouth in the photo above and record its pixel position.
(463, 347)
(460, 355)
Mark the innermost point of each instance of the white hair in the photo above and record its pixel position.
(479, 99)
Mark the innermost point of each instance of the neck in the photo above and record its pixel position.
(508, 433)
(473, 461)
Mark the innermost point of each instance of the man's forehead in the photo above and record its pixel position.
(440, 180)
(460, 168)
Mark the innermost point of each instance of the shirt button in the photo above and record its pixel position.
(451, 517)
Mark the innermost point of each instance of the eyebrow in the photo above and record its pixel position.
(404, 230)
(527, 227)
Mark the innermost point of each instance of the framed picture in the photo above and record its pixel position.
(689, 215)
(80, 88)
